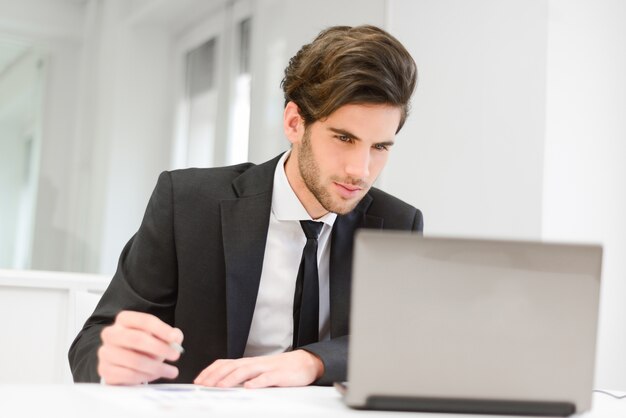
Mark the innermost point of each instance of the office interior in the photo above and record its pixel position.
(517, 131)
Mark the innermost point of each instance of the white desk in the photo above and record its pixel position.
(91, 400)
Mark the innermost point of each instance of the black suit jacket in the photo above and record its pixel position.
(196, 262)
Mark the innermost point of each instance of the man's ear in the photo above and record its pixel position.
(293, 124)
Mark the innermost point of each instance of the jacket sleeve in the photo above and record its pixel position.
(334, 356)
(145, 281)
(418, 222)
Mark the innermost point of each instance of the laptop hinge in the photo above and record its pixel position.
(470, 406)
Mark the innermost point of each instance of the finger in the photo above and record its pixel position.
(217, 371)
(212, 374)
(137, 340)
(116, 375)
(264, 380)
(138, 362)
(208, 370)
(241, 374)
(149, 323)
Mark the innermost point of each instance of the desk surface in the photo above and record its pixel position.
(92, 400)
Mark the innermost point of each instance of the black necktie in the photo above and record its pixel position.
(307, 297)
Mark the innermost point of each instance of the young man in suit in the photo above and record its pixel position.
(251, 264)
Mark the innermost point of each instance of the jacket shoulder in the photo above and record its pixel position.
(396, 213)
(201, 175)
(216, 180)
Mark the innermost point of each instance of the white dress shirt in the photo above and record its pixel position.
(271, 331)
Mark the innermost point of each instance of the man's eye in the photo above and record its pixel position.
(343, 138)
(381, 147)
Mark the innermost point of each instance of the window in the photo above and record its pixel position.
(201, 103)
(240, 115)
(22, 78)
(214, 84)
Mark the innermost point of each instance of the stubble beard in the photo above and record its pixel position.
(310, 173)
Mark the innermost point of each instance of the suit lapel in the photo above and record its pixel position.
(245, 222)
(341, 262)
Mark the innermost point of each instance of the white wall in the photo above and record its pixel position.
(132, 131)
(471, 153)
(585, 152)
(43, 20)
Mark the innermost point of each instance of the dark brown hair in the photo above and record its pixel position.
(349, 65)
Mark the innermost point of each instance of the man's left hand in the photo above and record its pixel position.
(294, 368)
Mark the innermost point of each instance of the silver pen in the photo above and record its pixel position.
(177, 347)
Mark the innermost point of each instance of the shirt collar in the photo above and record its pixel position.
(285, 204)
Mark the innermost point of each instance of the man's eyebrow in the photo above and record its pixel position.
(344, 132)
(353, 136)
(386, 143)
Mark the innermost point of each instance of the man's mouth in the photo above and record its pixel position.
(347, 190)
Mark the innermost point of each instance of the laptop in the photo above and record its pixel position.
(472, 326)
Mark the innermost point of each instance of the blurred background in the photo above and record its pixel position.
(517, 131)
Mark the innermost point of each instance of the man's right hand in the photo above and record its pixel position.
(135, 347)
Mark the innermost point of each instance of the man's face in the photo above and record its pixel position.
(341, 156)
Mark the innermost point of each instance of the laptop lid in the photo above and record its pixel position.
(459, 325)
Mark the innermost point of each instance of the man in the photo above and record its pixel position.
(219, 255)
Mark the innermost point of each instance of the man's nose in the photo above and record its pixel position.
(358, 163)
